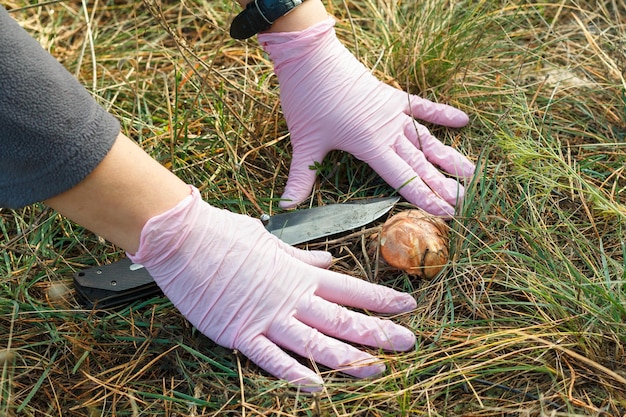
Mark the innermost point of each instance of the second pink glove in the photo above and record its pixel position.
(247, 290)
(331, 101)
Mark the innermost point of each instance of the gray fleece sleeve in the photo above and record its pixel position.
(52, 132)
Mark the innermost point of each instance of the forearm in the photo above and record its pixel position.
(124, 191)
(300, 18)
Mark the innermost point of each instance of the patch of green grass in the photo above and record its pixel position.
(528, 318)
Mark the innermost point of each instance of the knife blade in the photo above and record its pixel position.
(122, 282)
(295, 227)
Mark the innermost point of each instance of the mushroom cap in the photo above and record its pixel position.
(415, 243)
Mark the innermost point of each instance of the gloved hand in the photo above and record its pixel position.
(331, 101)
(247, 290)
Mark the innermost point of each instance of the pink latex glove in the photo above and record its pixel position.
(247, 290)
(331, 101)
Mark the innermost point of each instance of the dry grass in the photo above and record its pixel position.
(528, 319)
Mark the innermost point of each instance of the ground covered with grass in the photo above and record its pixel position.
(529, 316)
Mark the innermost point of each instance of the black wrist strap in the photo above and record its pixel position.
(259, 15)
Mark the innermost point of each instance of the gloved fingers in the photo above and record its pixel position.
(335, 354)
(341, 323)
(401, 176)
(354, 292)
(301, 176)
(447, 188)
(441, 114)
(444, 156)
(267, 355)
(318, 258)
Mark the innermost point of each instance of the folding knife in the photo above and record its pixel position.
(120, 283)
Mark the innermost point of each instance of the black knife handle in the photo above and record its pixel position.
(113, 285)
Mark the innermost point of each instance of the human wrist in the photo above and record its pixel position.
(163, 235)
(293, 15)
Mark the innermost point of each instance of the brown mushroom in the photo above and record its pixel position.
(415, 243)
